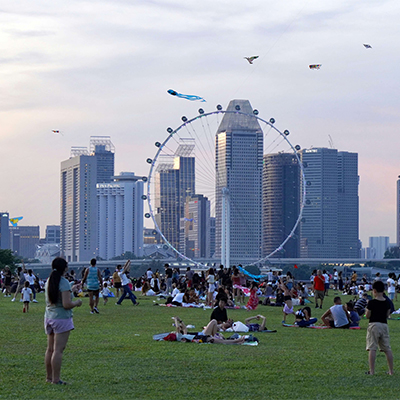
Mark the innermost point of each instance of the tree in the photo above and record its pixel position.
(7, 258)
(392, 252)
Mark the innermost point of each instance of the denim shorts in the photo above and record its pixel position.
(56, 326)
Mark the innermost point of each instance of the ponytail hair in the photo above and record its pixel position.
(59, 265)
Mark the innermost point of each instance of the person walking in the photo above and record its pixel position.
(94, 283)
(125, 285)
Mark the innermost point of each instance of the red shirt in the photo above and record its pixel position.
(319, 283)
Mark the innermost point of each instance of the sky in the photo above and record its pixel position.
(104, 67)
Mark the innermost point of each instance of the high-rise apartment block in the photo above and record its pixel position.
(377, 247)
(281, 204)
(174, 182)
(79, 216)
(329, 226)
(4, 230)
(120, 216)
(239, 161)
(78, 225)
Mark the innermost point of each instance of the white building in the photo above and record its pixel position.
(120, 216)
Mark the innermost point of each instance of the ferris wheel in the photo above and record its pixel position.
(218, 183)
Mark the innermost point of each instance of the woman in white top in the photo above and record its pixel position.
(211, 286)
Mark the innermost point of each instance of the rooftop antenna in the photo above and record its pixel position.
(330, 141)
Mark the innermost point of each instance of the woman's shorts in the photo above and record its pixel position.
(55, 326)
(117, 285)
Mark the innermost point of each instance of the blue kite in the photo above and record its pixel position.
(185, 96)
(250, 275)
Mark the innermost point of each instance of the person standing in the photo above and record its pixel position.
(391, 286)
(319, 288)
(125, 285)
(30, 277)
(117, 280)
(378, 310)
(57, 318)
(94, 283)
(168, 274)
(21, 281)
(26, 296)
(7, 281)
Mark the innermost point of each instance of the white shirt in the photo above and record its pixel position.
(178, 298)
(149, 274)
(26, 294)
(391, 285)
(124, 278)
(30, 279)
(339, 315)
(175, 292)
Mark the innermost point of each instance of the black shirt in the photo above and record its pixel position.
(219, 315)
(168, 272)
(378, 310)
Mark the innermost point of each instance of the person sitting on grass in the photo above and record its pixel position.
(337, 316)
(361, 304)
(287, 293)
(354, 317)
(208, 335)
(303, 317)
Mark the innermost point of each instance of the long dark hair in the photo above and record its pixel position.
(59, 265)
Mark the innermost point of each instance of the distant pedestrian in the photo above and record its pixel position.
(319, 288)
(117, 280)
(94, 283)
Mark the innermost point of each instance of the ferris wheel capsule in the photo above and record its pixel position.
(272, 120)
(157, 144)
(184, 119)
(237, 107)
(144, 178)
(147, 215)
(169, 130)
(297, 147)
(144, 197)
(286, 132)
(201, 111)
(219, 107)
(255, 112)
(149, 160)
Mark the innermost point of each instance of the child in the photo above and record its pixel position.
(26, 296)
(378, 310)
(354, 317)
(105, 292)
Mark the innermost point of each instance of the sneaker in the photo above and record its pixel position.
(117, 304)
(96, 310)
(21, 301)
(13, 299)
(316, 306)
(136, 304)
(34, 301)
(91, 312)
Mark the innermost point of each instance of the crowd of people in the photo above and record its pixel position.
(217, 289)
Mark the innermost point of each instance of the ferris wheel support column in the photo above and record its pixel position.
(225, 229)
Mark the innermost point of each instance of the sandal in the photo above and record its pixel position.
(60, 382)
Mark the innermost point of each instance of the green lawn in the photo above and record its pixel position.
(112, 356)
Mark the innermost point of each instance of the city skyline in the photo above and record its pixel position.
(69, 68)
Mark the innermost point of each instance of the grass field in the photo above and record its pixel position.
(112, 356)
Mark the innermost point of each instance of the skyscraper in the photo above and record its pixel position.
(4, 230)
(330, 217)
(281, 204)
(398, 212)
(24, 240)
(120, 216)
(195, 227)
(78, 208)
(377, 246)
(239, 160)
(103, 149)
(174, 182)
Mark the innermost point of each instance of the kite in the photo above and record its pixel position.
(251, 59)
(185, 96)
(57, 132)
(315, 66)
(367, 46)
(14, 221)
